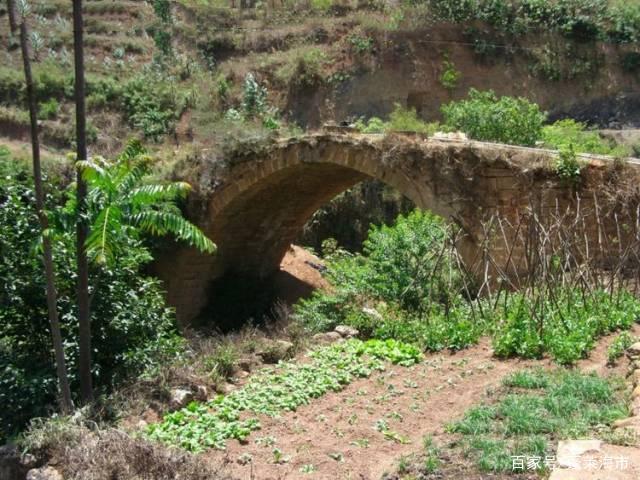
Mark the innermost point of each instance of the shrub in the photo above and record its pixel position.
(132, 327)
(484, 116)
(407, 272)
(254, 97)
(400, 120)
(361, 43)
(306, 69)
(568, 132)
(49, 109)
(151, 104)
(568, 167)
(450, 76)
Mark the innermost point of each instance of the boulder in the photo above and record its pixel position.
(44, 473)
(625, 422)
(324, 338)
(202, 393)
(273, 351)
(248, 363)
(180, 398)
(569, 451)
(346, 331)
(11, 467)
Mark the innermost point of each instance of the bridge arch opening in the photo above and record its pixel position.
(256, 228)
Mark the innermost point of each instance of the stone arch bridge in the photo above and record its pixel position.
(259, 202)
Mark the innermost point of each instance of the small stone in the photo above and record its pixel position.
(346, 331)
(242, 374)
(44, 473)
(180, 397)
(569, 451)
(328, 337)
(635, 377)
(28, 461)
(634, 350)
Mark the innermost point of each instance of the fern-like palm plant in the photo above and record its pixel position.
(122, 205)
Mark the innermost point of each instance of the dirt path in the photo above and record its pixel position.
(336, 438)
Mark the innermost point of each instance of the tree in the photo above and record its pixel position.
(122, 205)
(84, 312)
(61, 368)
(13, 21)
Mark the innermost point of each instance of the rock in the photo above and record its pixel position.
(275, 350)
(634, 350)
(226, 388)
(141, 425)
(569, 451)
(636, 392)
(372, 313)
(180, 397)
(11, 466)
(450, 136)
(44, 473)
(328, 337)
(248, 363)
(635, 378)
(346, 331)
(202, 393)
(625, 422)
(28, 461)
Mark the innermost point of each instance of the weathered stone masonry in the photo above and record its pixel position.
(259, 205)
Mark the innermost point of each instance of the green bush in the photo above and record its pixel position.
(132, 328)
(151, 105)
(400, 120)
(568, 132)
(568, 166)
(484, 116)
(407, 271)
(580, 20)
(49, 109)
(450, 76)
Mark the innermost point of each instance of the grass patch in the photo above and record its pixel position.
(535, 409)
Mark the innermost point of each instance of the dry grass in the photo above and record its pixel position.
(81, 451)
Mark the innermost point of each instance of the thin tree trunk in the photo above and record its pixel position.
(13, 21)
(61, 368)
(84, 313)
